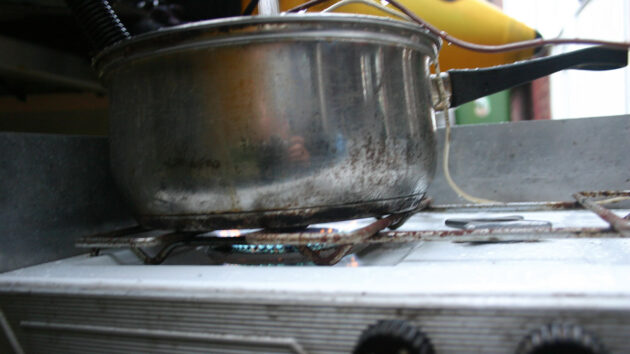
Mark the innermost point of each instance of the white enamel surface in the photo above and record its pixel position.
(578, 272)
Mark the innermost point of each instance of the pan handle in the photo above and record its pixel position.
(470, 84)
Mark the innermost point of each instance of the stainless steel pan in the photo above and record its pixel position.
(288, 120)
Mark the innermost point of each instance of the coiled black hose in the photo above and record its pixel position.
(99, 22)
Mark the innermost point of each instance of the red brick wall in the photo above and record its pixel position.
(541, 106)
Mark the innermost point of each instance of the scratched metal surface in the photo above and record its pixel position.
(536, 160)
(53, 189)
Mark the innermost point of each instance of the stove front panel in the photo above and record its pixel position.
(108, 324)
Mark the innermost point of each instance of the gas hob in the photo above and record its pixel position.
(477, 296)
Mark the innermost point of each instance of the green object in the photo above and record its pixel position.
(490, 109)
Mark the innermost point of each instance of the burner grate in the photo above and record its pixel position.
(326, 246)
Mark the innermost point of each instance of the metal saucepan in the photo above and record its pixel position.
(287, 120)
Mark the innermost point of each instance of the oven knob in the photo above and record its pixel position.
(560, 338)
(393, 336)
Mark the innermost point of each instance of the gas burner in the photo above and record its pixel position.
(275, 254)
(320, 245)
(328, 245)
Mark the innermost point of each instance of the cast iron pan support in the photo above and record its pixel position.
(470, 84)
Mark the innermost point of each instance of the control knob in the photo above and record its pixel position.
(560, 338)
(393, 337)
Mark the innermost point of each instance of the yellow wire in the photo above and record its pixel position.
(447, 143)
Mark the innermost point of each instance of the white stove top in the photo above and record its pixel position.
(466, 297)
(564, 270)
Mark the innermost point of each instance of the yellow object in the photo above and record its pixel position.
(474, 21)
